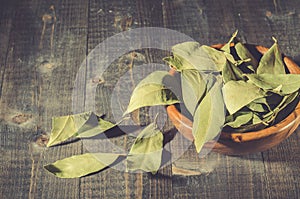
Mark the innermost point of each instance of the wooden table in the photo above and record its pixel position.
(43, 44)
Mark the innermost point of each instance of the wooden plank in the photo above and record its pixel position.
(107, 18)
(15, 167)
(49, 44)
(54, 95)
(38, 65)
(5, 28)
(282, 169)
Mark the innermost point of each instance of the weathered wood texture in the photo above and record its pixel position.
(43, 44)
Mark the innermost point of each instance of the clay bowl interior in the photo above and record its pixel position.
(233, 143)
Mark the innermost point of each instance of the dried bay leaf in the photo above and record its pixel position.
(238, 119)
(91, 130)
(259, 105)
(231, 72)
(82, 165)
(286, 100)
(262, 120)
(281, 84)
(192, 55)
(79, 125)
(255, 124)
(271, 62)
(238, 94)
(172, 62)
(226, 47)
(151, 91)
(193, 88)
(244, 54)
(146, 151)
(217, 56)
(209, 116)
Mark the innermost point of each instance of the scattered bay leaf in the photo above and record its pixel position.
(93, 130)
(146, 151)
(82, 165)
(79, 125)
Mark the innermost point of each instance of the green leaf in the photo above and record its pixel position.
(173, 62)
(226, 47)
(94, 129)
(271, 62)
(209, 116)
(146, 152)
(286, 100)
(191, 55)
(217, 56)
(231, 72)
(151, 91)
(238, 119)
(193, 88)
(244, 54)
(259, 105)
(238, 94)
(281, 84)
(82, 165)
(257, 120)
(79, 125)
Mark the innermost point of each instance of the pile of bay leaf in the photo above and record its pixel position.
(232, 88)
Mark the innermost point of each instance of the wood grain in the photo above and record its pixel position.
(43, 44)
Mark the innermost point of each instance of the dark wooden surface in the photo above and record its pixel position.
(38, 66)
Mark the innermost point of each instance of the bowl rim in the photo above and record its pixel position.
(184, 125)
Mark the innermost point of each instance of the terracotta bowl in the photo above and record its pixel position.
(233, 143)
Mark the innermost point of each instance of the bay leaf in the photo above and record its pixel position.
(217, 56)
(257, 120)
(151, 91)
(264, 101)
(79, 125)
(286, 100)
(231, 72)
(209, 116)
(238, 94)
(256, 123)
(193, 88)
(81, 165)
(91, 130)
(271, 62)
(244, 54)
(178, 63)
(259, 105)
(193, 56)
(281, 84)
(146, 151)
(239, 119)
(226, 47)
